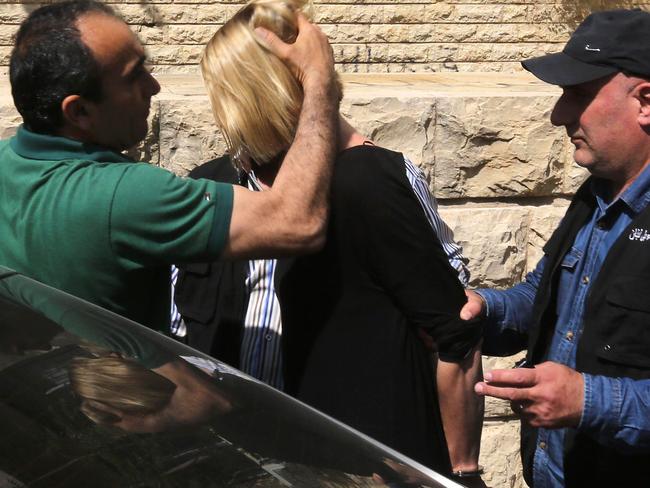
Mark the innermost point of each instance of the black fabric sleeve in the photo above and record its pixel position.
(403, 253)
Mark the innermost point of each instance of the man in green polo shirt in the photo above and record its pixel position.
(78, 215)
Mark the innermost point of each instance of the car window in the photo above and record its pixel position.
(88, 398)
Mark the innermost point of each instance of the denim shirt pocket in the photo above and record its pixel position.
(568, 269)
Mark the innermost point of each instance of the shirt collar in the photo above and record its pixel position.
(31, 145)
(253, 182)
(636, 196)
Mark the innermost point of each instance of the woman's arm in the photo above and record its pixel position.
(461, 409)
(405, 256)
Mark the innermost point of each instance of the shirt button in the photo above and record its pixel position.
(607, 347)
(585, 280)
(542, 445)
(569, 336)
(268, 337)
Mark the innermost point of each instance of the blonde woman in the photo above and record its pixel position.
(351, 313)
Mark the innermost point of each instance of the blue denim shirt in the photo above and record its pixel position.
(616, 411)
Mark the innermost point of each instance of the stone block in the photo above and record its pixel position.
(189, 33)
(512, 51)
(484, 13)
(544, 221)
(453, 33)
(378, 14)
(495, 147)
(397, 124)
(175, 54)
(149, 14)
(341, 33)
(405, 52)
(149, 35)
(209, 14)
(157, 14)
(494, 240)
(9, 119)
(500, 455)
(318, 3)
(188, 135)
(7, 32)
(428, 67)
(14, 12)
(5, 53)
(177, 69)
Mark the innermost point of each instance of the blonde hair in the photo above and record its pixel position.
(119, 383)
(255, 99)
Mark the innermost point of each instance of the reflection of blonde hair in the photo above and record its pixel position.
(119, 383)
(255, 99)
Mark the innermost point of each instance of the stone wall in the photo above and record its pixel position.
(378, 36)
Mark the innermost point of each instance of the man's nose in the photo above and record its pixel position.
(153, 87)
(561, 114)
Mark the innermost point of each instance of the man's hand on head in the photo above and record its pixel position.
(549, 395)
(310, 57)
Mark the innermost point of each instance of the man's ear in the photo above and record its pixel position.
(76, 112)
(643, 95)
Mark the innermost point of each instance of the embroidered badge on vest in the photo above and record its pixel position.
(638, 234)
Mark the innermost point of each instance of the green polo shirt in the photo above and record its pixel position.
(104, 228)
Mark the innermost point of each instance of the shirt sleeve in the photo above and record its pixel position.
(509, 314)
(445, 235)
(405, 257)
(158, 218)
(615, 412)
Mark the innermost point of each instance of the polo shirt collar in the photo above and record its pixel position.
(31, 145)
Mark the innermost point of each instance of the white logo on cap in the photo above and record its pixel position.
(588, 48)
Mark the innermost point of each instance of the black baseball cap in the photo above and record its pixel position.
(603, 44)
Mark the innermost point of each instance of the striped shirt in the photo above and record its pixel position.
(260, 354)
(260, 350)
(178, 328)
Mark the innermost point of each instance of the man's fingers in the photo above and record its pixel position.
(505, 393)
(309, 57)
(519, 377)
(509, 384)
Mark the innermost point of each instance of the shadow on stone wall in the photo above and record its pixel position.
(576, 10)
(152, 15)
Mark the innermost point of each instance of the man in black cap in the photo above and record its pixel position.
(584, 312)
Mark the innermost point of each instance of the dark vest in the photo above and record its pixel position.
(615, 340)
(211, 297)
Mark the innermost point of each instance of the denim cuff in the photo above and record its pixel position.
(603, 399)
(494, 304)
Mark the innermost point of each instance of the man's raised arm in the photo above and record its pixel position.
(291, 217)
